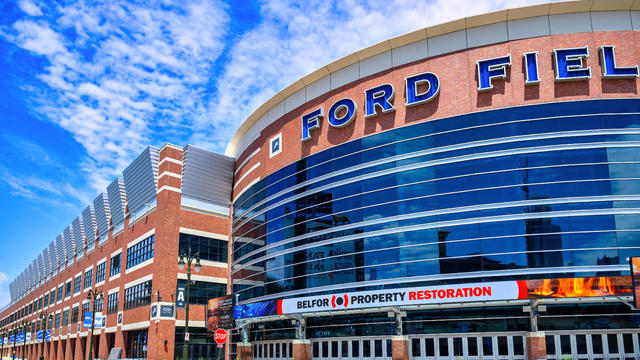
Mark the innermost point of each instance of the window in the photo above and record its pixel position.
(140, 252)
(85, 307)
(202, 291)
(59, 295)
(115, 265)
(77, 284)
(99, 304)
(137, 295)
(74, 314)
(209, 249)
(40, 303)
(112, 303)
(65, 318)
(67, 289)
(57, 322)
(88, 278)
(52, 297)
(100, 270)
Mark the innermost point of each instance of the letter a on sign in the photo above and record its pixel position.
(180, 297)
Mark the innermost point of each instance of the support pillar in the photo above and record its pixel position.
(399, 347)
(301, 349)
(245, 351)
(536, 346)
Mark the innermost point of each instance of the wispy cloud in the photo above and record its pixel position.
(295, 39)
(121, 75)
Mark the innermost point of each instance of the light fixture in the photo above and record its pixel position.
(197, 266)
(181, 263)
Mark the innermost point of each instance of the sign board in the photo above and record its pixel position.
(180, 297)
(115, 353)
(166, 310)
(11, 339)
(99, 320)
(220, 313)
(154, 311)
(21, 338)
(471, 292)
(634, 262)
(39, 335)
(87, 319)
(47, 336)
(28, 336)
(220, 336)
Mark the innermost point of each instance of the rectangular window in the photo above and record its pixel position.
(67, 289)
(57, 323)
(74, 315)
(200, 292)
(112, 303)
(59, 294)
(100, 271)
(115, 265)
(99, 304)
(140, 252)
(65, 318)
(40, 303)
(88, 279)
(85, 308)
(209, 249)
(137, 295)
(77, 284)
(52, 297)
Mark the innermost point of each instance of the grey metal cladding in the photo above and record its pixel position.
(117, 200)
(45, 261)
(53, 256)
(12, 290)
(141, 179)
(89, 224)
(61, 250)
(78, 234)
(42, 267)
(69, 244)
(206, 175)
(101, 208)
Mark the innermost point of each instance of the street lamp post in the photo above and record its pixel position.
(96, 295)
(44, 316)
(187, 258)
(13, 344)
(24, 337)
(4, 334)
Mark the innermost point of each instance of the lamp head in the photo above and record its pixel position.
(197, 266)
(181, 263)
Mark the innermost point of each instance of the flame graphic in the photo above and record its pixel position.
(579, 287)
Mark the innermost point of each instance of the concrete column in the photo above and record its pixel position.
(536, 345)
(301, 349)
(245, 351)
(399, 347)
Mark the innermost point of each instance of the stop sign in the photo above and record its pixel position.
(220, 336)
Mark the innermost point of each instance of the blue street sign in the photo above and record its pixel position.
(87, 319)
(21, 338)
(47, 336)
(11, 339)
(180, 297)
(39, 336)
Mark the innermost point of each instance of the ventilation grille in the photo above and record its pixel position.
(207, 176)
(141, 180)
(101, 208)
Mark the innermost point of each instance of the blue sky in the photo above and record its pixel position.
(86, 86)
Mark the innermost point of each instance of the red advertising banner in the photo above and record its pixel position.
(487, 291)
(635, 276)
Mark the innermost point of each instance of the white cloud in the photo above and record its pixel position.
(121, 75)
(29, 7)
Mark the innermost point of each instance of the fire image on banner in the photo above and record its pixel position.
(635, 276)
(220, 313)
(485, 291)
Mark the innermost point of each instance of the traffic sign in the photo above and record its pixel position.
(220, 336)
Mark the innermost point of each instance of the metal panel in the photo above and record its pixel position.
(12, 290)
(117, 201)
(101, 207)
(141, 180)
(46, 262)
(69, 244)
(78, 235)
(53, 256)
(60, 249)
(89, 225)
(42, 267)
(207, 176)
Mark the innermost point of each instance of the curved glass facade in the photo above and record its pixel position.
(515, 193)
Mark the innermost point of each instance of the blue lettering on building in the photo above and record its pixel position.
(609, 68)
(569, 64)
(491, 69)
(342, 112)
(379, 97)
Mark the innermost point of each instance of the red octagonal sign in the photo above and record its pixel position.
(220, 336)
